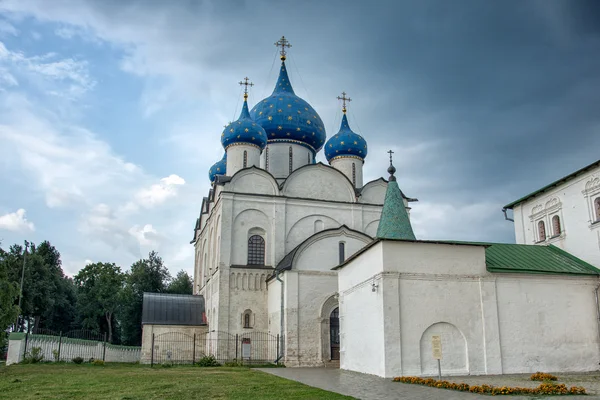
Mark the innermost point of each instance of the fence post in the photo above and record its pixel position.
(152, 353)
(277, 349)
(236, 347)
(194, 350)
(25, 348)
(104, 348)
(59, 345)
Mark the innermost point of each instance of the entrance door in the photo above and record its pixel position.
(334, 333)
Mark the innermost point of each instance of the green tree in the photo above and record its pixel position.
(99, 287)
(146, 275)
(8, 296)
(182, 284)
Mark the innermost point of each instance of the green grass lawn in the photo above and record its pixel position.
(125, 381)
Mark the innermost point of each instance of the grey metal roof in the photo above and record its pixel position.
(173, 309)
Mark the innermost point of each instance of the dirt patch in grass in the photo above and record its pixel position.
(133, 382)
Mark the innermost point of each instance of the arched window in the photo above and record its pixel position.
(245, 158)
(291, 159)
(354, 174)
(541, 231)
(247, 319)
(556, 229)
(267, 159)
(342, 252)
(256, 250)
(597, 208)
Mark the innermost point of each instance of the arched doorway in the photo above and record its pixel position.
(334, 333)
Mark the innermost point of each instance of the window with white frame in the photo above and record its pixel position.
(556, 228)
(247, 319)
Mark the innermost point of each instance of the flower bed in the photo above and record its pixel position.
(544, 388)
(542, 376)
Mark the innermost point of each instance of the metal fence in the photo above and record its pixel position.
(249, 348)
(80, 343)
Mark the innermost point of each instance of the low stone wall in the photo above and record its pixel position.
(56, 348)
(179, 346)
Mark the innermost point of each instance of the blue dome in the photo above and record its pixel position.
(244, 131)
(346, 143)
(287, 118)
(218, 168)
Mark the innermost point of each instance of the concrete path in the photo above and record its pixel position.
(367, 387)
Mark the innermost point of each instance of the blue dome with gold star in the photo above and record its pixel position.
(218, 168)
(346, 143)
(288, 118)
(244, 131)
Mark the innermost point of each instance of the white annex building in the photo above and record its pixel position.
(311, 253)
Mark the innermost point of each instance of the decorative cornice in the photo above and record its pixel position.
(242, 143)
(349, 156)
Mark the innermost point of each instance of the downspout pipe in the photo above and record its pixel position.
(506, 216)
(280, 356)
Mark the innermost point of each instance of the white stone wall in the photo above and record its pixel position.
(489, 323)
(573, 202)
(344, 165)
(235, 157)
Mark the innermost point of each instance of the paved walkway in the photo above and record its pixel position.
(367, 387)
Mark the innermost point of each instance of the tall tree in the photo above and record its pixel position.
(99, 287)
(8, 295)
(182, 284)
(146, 275)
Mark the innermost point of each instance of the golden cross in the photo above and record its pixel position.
(344, 100)
(390, 153)
(246, 84)
(283, 43)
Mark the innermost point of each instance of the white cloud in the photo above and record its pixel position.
(160, 192)
(16, 222)
(70, 74)
(146, 235)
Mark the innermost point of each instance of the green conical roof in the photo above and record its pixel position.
(394, 222)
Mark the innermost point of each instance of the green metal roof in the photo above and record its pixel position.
(553, 184)
(530, 259)
(394, 222)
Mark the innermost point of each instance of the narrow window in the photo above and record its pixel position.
(247, 320)
(342, 251)
(308, 157)
(256, 250)
(597, 208)
(354, 174)
(267, 159)
(542, 231)
(556, 225)
(245, 158)
(291, 159)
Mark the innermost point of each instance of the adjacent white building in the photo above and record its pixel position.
(565, 213)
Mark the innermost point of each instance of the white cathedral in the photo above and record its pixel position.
(276, 222)
(307, 251)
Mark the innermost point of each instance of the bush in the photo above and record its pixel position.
(167, 364)
(34, 357)
(233, 364)
(55, 355)
(542, 376)
(546, 388)
(98, 362)
(77, 360)
(208, 361)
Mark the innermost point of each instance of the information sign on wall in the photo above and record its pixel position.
(436, 345)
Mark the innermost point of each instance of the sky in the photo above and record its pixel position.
(111, 111)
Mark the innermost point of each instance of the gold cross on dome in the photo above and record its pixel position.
(246, 84)
(283, 43)
(344, 100)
